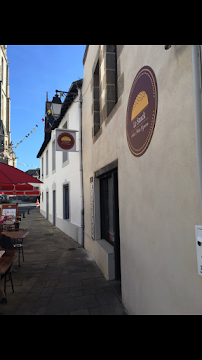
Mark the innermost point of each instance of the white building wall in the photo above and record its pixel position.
(67, 173)
(158, 192)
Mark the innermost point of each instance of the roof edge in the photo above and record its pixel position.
(85, 54)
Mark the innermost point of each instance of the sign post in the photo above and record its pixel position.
(9, 210)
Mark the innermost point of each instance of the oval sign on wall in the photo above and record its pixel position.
(142, 111)
(66, 141)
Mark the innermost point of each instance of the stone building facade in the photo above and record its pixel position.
(7, 156)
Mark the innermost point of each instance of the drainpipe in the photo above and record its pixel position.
(81, 167)
(197, 73)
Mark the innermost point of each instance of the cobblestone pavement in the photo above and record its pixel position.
(58, 277)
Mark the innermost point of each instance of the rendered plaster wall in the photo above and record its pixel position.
(158, 192)
(65, 173)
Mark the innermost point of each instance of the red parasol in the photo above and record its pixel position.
(22, 193)
(20, 187)
(12, 176)
(33, 193)
(14, 193)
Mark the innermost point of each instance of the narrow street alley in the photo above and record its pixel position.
(58, 277)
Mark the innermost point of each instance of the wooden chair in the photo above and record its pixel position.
(5, 270)
(10, 278)
(20, 249)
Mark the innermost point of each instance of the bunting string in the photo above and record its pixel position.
(34, 167)
(3, 156)
(28, 135)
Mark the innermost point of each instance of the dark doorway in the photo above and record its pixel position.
(54, 207)
(110, 215)
(66, 202)
(47, 206)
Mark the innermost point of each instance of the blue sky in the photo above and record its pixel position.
(35, 70)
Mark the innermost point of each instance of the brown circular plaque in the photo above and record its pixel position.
(66, 141)
(142, 111)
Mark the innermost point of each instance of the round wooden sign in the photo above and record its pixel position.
(142, 111)
(66, 141)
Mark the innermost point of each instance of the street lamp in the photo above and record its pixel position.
(56, 106)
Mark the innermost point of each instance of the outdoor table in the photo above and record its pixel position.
(5, 263)
(16, 235)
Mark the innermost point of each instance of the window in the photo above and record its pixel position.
(66, 202)
(53, 155)
(97, 99)
(65, 125)
(111, 77)
(42, 168)
(47, 163)
(65, 156)
(2, 106)
(2, 71)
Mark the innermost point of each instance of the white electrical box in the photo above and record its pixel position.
(199, 248)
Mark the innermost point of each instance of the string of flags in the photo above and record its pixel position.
(3, 156)
(6, 152)
(27, 165)
(28, 135)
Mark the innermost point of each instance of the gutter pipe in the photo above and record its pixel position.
(197, 74)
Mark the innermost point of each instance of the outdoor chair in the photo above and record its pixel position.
(10, 278)
(20, 249)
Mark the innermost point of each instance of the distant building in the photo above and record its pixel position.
(61, 172)
(7, 155)
(34, 173)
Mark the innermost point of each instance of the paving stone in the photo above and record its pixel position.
(86, 302)
(56, 281)
(107, 299)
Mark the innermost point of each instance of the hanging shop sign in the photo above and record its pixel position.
(66, 140)
(142, 111)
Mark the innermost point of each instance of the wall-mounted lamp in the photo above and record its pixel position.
(167, 47)
(56, 106)
(62, 93)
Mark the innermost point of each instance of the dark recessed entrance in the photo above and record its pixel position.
(109, 197)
